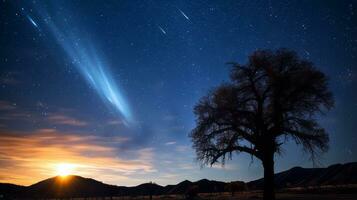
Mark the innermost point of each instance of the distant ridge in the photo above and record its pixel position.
(77, 186)
(337, 174)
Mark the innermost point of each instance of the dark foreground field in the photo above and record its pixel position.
(283, 196)
(348, 192)
(240, 196)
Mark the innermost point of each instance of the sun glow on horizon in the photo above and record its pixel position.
(65, 169)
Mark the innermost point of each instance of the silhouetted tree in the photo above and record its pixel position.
(269, 100)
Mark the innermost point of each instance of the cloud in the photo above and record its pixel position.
(115, 122)
(10, 111)
(9, 81)
(186, 166)
(170, 176)
(224, 167)
(170, 143)
(9, 78)
(6, 106)
(60, 116)
(66, 120)
(183, 148)
(31, 157)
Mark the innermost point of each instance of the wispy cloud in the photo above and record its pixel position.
(115, 122)
(27, 158)
(182, 148)
(11, 112)
(224, 167)
(170, 143)
(6, 106)
(9, 78)
(66, 120)
(9, 81)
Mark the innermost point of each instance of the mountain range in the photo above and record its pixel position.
(76, 186)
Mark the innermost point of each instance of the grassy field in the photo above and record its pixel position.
(283, 196)
(347, 192)
(240, 196)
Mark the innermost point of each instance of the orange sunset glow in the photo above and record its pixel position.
(65, 169)
(45, 153)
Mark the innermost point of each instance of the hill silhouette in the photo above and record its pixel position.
(337, 174)
(71, 186)
(77, 186)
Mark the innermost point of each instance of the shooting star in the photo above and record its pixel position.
(183, 14)
(32, 21)
(162, 30)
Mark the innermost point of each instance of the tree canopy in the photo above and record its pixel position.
(272, 98)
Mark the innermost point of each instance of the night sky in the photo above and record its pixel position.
(108, 87)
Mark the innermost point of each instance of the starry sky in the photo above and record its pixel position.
(109, 86)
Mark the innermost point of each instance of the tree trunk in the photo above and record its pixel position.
(269, 188)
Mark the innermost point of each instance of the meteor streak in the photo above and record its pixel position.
(32, 21)
(183, 14)
(162, 30)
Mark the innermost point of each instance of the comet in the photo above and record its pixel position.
(90, 64)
